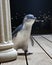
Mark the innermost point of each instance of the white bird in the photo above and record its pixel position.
(21, 39)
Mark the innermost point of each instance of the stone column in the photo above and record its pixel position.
(7, 52)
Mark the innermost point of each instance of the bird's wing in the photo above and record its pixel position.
(32, 40)
(14, 33)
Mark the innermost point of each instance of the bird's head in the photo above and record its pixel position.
(29, 19)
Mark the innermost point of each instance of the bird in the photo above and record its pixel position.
(21, 35)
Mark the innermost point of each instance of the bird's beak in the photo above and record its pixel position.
(34, 18)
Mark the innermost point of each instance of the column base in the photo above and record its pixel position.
(8, 55)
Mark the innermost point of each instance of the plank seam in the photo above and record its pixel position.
(42, 47)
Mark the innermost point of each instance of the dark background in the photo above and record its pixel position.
(39, 8)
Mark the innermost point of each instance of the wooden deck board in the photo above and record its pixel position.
(38, 57)
(47, 46)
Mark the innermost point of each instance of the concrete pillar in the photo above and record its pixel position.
(7, 52)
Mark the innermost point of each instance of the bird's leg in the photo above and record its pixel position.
(0, 63)
(26, 57)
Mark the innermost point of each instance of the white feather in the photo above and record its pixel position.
(22, 39)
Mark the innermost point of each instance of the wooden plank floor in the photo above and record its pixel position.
(39, 57)
(48, 37)
(45, 44)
